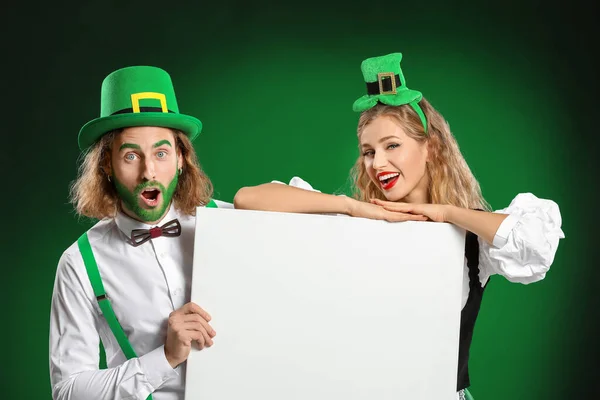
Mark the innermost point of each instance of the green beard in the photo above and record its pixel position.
(132, 200)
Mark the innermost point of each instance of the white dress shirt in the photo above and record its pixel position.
(144, 285)
(524, 245)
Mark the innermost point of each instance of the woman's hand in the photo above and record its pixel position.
(362, 209)
(434, 212)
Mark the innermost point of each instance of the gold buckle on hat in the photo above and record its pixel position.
(136, 97)
(392, 77)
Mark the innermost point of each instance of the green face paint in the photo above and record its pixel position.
(132, 200)
(130, 146)
(164, 141)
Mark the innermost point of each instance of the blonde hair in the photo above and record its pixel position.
(450, 178)
(94, 196)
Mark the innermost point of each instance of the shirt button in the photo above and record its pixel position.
(177, 292)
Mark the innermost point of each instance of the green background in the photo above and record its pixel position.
(273, 85)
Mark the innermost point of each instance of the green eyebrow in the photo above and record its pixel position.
(129, 146)
(164, 141)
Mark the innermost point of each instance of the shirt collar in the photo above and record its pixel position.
(126, 224)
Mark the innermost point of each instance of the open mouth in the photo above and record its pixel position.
(150, 196)
(387, 180)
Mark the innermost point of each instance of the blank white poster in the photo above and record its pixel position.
(325, 307)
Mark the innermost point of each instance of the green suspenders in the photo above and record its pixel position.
(103, 301)
(212, 204)
(94, 275)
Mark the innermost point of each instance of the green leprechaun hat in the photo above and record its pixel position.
(386, 84)
(137, 96)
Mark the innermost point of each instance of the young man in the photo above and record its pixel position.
(126, 281)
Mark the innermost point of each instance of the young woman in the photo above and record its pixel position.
(410, 168)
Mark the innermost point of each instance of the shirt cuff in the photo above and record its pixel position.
(504, 230)
(156, 367)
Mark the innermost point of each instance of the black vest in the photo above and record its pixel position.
(469, 313)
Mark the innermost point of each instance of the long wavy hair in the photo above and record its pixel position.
(450, 178)
(94, 196)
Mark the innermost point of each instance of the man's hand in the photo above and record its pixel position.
(189, 323)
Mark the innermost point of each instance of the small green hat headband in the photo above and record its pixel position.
(386, 85)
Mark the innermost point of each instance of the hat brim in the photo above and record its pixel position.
(367, 101)
(96, 128)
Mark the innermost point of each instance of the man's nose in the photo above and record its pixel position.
(149, 171)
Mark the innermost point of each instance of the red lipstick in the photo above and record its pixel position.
(387, 179)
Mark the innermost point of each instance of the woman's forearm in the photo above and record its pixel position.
(284, 198)
(483, 224)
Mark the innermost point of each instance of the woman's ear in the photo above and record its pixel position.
(432, 147)
(428, 149)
